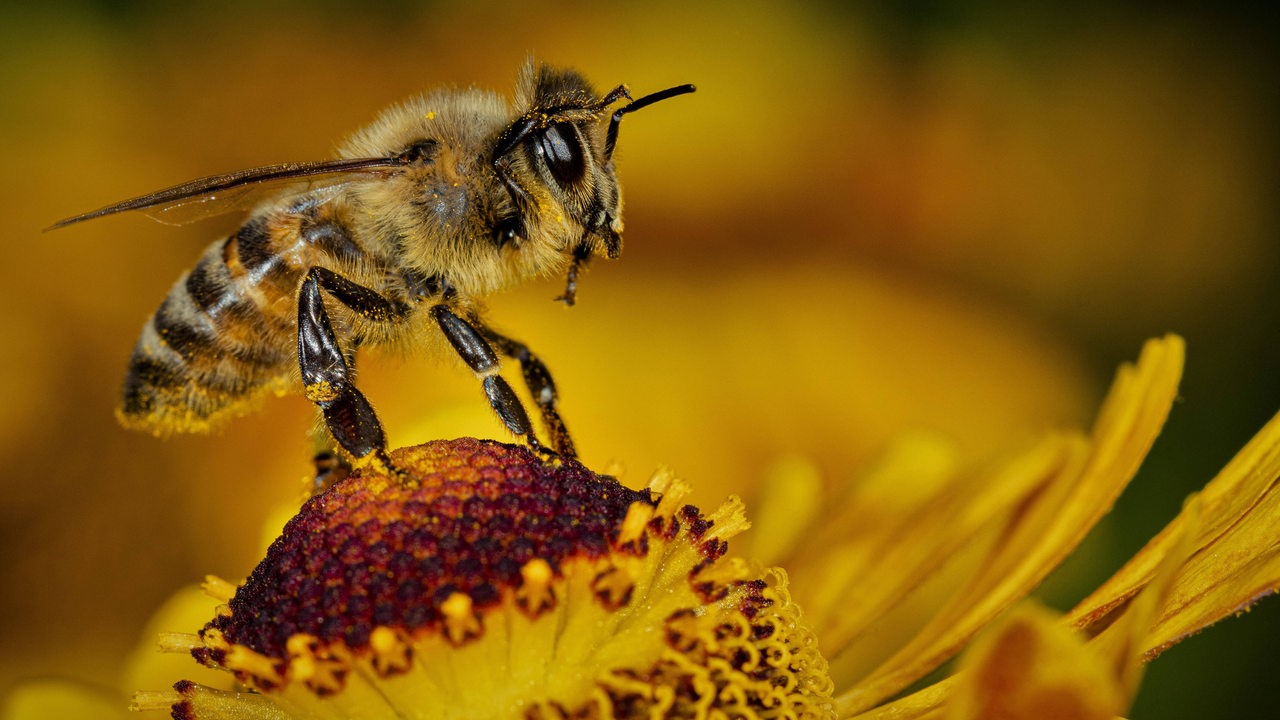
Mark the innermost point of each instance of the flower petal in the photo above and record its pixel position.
(789, 500)
(1034, 668)
(186, 610)
(1111, 662)
(59, 700)
(1039, 535)
(879, 572)
(1118, 647)
(1123, 640)
(846, 551)
(1236, 557)
(922, 703)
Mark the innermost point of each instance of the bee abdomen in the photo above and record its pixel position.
(211, 351)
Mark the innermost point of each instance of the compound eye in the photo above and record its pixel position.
(560, 148)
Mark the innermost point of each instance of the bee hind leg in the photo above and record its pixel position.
(327, 377)
(476, 352)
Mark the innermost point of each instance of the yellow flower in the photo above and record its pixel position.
(487, 583)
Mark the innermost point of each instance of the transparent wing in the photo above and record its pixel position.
(218, 194)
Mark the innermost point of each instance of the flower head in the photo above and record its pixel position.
(489, 583)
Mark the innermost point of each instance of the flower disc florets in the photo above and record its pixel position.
(489, 583)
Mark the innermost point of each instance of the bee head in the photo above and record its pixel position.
(565, 149)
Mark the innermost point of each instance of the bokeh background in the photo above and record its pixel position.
(946, 217)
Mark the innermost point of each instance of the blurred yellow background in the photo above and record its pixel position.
(899, 217)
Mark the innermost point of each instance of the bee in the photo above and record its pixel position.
(442, 200)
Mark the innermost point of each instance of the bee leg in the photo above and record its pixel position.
(331, 469)
(330, 465)
(479, 356)
(538, 379)
(326, 375)
(581, 255)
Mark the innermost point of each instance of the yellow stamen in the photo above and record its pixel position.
(633, 525)
(218, 589)
(460, 622)
(535, 595)
(241, 659)
(172, 642)
(153, 700)
(391, 654)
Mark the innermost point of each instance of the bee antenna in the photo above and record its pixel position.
(612, 138)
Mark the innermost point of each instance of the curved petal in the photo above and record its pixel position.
(1032, 667)
(866, 580)
(153, 663)
(1236, 555)
(62, 699)
(1012, 674)
(1038, 535)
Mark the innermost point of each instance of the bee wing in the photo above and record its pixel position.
(218, 194)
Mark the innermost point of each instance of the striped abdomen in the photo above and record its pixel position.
(224, 337)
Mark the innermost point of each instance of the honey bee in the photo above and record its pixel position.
(444, 199)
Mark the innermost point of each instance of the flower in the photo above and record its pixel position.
(487, 582)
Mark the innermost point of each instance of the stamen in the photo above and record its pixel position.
(535, 595)
(391, 654)
(460, 622)
(153, 700)
(613, 587)
(323, 669)
(173, 642)
(241, 659)
(218, 589)
(633, 525)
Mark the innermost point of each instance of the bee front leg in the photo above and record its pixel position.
(538, 379)
(479, 356)
(326, 375)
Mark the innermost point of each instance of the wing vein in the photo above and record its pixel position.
(208, 187)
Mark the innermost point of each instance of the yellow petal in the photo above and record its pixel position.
(150, 667)
(1039, 535)
(920, 544)
(1034, 668)
(1123, 640)
(60, 700)
(877, 514)
(1117, 651)
(789, 499)
(1236, 553)
(922, 703)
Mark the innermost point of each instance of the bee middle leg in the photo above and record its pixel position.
(538, 380)
(327, 375)
(470, 344)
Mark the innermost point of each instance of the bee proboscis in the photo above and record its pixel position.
(443, 199)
